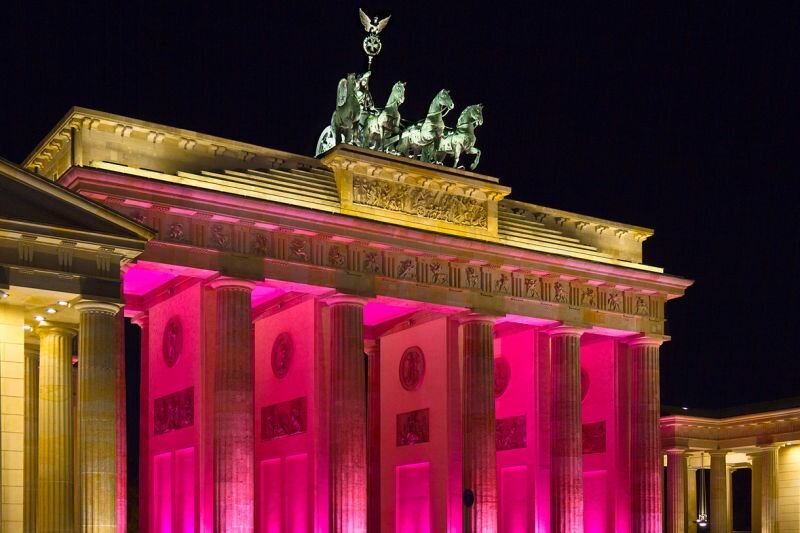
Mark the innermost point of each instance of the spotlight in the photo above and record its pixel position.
(39, 318)
(685, 408)
(26, 327)
(3, 294)
(63, 303)
(50, 311)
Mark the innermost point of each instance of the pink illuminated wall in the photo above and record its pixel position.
(413, 498)
(175, 490)
(285, 480)
(401, 465)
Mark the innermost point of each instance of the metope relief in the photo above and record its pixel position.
(337, 257)
(284, 419)
(173, 411)
(412, 368)
(172, 341)
(407, 269)
(371, 263)
(511, 433)
(282, 353)
(412, 427)
(419, 202)
(299, 250)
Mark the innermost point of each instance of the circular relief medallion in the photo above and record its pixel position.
(282, 355)
(412, 368)
(585, 382)
(502, 375)
(172, 342)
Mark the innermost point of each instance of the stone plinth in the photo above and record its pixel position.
(566, 475)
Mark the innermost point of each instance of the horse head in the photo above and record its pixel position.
(398, 94)
(442, 103)
(471, 115)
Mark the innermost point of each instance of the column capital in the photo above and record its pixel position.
(341, 298)
(676, 451)
(564, 329)
(57, 327)
(224, 282)
(646, 341)
(476, 317)
(718, 453)
(93, 306)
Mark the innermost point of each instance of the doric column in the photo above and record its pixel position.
(676, 490)
(31, 452)
(480, 458)
(646, 458)
(691, 501)
(566, 431)
(718, 517)
(54, 504)
(373, 349)
(97, 417)
(348, 425)
(233, 407)
(143, 321)
(122, 429)
(769, 489)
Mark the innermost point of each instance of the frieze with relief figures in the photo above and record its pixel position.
(416, 201)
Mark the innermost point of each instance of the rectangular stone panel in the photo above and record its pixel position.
(511, 433)
(284, 419)
(412, 427)
(594, 437)
(174, 411)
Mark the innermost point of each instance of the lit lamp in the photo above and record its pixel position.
(702, 514)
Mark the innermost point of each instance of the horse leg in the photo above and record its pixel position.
(477, 159)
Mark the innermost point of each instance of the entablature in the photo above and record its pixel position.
(262, 240)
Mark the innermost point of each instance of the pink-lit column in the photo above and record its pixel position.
(122, 430)
(769, 489)
(676, 490)
(233, 407)
(566, 436)
(373, 349)
(480, 459)
(54, 504)
(646, 459)
(143, 321)
(718, 517)
(348, 424)
(97, 417)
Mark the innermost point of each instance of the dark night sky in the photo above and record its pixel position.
(682, 120)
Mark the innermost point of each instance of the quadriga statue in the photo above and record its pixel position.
(385, 124)
(344, 121)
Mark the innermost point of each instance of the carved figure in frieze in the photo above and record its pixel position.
(438, 275)
(587, 297)
(259, 244)
(371, 263)
(473, 277)
(613, 301)
(176, 232)
(218, 237)
(560, 294)
(413, 427)
(406, 270)
(297, 249)
(641, 306)
(335, 257)
(532, 288)
(501, 284)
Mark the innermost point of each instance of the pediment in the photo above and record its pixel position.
(33, 202)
